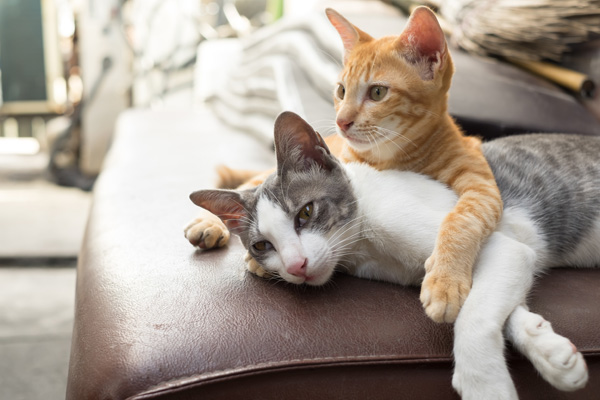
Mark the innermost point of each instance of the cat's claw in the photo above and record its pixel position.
(442, 295)
(254, 267)
(207, 231)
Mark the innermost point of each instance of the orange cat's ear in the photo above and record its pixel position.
(349, 33)
(422, 40)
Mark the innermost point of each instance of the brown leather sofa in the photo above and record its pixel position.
(157, 319)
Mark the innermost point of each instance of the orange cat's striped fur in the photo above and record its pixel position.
(391, 105)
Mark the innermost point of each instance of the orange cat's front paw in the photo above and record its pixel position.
(442, 293)
(254, 267)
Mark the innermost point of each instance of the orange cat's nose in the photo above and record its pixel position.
(343, 124)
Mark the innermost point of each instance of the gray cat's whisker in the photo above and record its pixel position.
(343, 266)
(346, 243)
(353, 220)
(360, 234)
(339, 249)
(242, 206)
(249, 221)
(341, 246)
(243, 219)
(346, 248)
(357, 221)
(340, 234)
(274, 197)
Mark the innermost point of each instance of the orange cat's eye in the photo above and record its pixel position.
(378, 92)
(341, 91)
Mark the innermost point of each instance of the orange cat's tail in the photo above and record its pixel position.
(229, 178)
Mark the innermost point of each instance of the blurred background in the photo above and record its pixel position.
(68, 68)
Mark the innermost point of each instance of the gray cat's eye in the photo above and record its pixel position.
(341, 91)
(262, 246)
(378, 92)
(304, 215)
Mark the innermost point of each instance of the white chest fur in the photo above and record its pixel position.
(402, 213)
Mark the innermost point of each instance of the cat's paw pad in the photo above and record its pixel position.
(555, 357)
(207, 232)
(443, 295)
(254, 267)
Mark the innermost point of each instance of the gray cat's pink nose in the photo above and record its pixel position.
(298, 268)
(344, 124)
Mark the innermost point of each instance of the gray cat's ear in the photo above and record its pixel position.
(228, 205)
(422, 42)
(298, 145)
(349, 33)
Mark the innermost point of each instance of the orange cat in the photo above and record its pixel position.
(391, 105)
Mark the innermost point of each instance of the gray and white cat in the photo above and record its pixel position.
(315, 215)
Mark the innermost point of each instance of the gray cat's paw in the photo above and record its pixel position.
(254, 267)
(207, 231)
(553, 355)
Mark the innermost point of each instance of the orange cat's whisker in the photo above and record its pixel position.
(396, 135)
